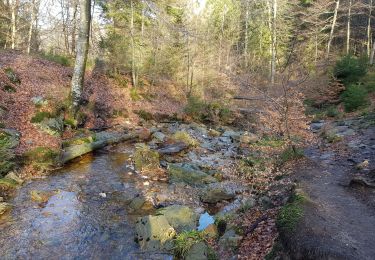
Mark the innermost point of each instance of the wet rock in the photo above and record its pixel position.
(266, 202)
(235, 206)
(363, 165)
(198, 251)
(154, 233)
(216, 194)
(188, 174)
(214, 133)
(362, 181)
(230, 240)
(173, 148)
(181, 218)
(248, 138)
(40, 196)
(232, 134)
(159, 136)
(4, 207)
(140, 203)
(211, 231)
(145, 159)
(317, 126)
(144, 134)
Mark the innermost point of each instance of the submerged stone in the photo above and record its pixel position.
(4, 207)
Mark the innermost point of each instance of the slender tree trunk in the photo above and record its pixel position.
(31, 27)
(369, 29)
(81, 56)
(13, 6)
(333, 27)
(74, 27)
(372, 54)
(348, 27)
(246, 34)
(134, 73)
(222, 36)
(274, 41)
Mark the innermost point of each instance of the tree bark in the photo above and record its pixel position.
(348, 27)
(81, 56)
(31, 27)
(13, 6)
(274, 43)
(74, 27)
(134, 72)
(372, 54)
(369, 29)
(333, 27)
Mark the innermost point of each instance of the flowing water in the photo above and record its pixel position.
(85, 217)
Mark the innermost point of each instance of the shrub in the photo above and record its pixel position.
(290, 154)
(355, 97)
(184, 137)
(9, 89)
(195, 107)
(40, 116)
(134, 95)
(6, 155)
(12, 76)
(185, 241)
(349, 69)
(144, 115)
(332, 111)
(60, 59)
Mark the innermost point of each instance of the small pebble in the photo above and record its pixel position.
(146, 183)
(103, 195)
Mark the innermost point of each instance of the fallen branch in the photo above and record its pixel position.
(255, 225)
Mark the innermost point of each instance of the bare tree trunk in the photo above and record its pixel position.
(274, 41)
(32, 22)
(372, 54)
(333, 27)
(369, 29)
(134, 73)
(246, 34)
(81, 57)
(13, 6)
(348, 27)
(74, 27)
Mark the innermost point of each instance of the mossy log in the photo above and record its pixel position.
(75, 151)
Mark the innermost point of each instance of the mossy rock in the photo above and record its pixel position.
(7, 184)
(145, 159)
(4, 207)
(40, 196)
(153, 233)
(188, 174)
(12, 76)
(181, 218)
(42, 157)
(186, 241)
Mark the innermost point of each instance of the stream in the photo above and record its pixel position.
(85, 216)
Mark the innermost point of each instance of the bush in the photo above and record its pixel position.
(134, 95)
(6, 155)
(195, 107)
(332, 111)
(60, 59)
(184, 137)
(290, 154)
(354, 97)
(185, 241)
(40, 116)
(349, 69)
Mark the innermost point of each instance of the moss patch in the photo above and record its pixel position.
(40, 116)
(42, 158)
(291, 213)
(6, 154)
(12, 76)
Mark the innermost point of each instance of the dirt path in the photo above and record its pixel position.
(340, 221)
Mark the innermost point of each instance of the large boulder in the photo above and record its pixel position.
(230, 240)
(188, 174)
(154, 233)
(181, 218)
(173, 148)
(216, 194)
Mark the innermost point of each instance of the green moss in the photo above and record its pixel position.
(184, 241)
(290, 154)
(80, 140)
(291, 213)
(40, 116)
(145, 159)
(6, 154)
(42, 158)
(60, 59)
(182, 136)
(273, 142)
